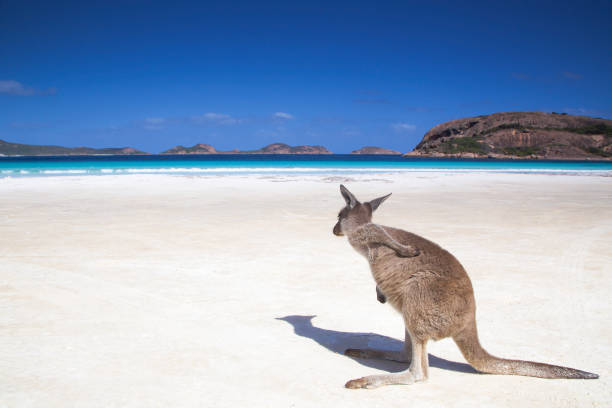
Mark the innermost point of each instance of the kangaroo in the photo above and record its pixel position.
(433, 293)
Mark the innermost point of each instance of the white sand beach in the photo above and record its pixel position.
(232, 291)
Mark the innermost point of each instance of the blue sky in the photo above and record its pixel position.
(153, 75)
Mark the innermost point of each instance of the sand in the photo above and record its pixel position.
(177, 291)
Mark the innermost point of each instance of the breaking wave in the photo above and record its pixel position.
(33, 172)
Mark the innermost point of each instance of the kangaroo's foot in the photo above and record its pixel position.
(375, 381)
(416, 372)
(407, 251)
(399, 356)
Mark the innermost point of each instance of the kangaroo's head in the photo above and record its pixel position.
(355, 214)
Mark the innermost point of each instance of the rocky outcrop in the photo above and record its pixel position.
(374, 150)
(520, 135)
(129, 150)
(274, 148)
(195, 149)
(16, 149)
(281, 148)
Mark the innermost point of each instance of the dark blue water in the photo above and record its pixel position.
(277, 164)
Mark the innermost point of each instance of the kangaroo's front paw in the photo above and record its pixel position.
(380, 296)
(409, 252)
(357, 383)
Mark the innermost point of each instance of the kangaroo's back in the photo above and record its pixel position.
(432, 289)
(432, 256)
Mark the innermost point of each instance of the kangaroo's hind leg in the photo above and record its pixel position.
(399, 356)
(416, 372)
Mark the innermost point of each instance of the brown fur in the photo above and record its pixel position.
(430, 289)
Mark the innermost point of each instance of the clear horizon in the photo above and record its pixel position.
(151, 76)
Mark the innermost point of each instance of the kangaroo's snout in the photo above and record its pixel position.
(338, 230)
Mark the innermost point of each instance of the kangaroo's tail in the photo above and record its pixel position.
(484, 362)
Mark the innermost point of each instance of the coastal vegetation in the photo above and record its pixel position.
(463, 145)
(599, 152)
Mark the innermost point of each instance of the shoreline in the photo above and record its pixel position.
(294, 173)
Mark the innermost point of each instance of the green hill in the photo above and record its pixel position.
(16, 149)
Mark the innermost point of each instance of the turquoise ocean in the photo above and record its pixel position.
(280, 164)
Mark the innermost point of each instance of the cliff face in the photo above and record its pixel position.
(374, 150)
(534, 135)
(16, 149)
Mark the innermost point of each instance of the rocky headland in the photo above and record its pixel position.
(520, 135)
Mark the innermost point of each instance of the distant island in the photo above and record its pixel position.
(16, 149)
(199, 148)
(507, 135)
(520, 135)
(274, 148)
(374, 150)
(281, 148)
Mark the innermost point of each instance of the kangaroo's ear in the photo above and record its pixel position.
(350, 199)
(378, 201)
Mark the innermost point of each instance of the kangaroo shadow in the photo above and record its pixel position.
(338, 342)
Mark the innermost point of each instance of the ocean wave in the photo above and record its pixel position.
(291, 170)
(74, 171)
